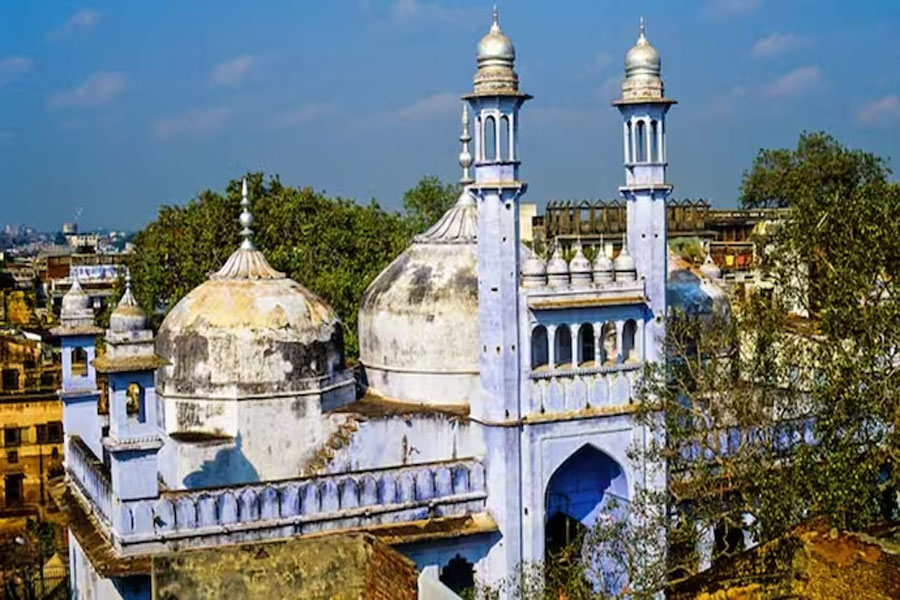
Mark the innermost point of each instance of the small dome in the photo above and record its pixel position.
(603, 267)
(624, 266)
(557, 269)
(580, 268)
(128, 315)
(534, 270)
(75, 300)
(496, 46)
(496, 61)
(642, 71)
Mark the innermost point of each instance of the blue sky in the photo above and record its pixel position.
(113, 108)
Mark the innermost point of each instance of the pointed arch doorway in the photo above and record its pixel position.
(590, 485)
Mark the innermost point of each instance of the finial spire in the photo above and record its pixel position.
(495, 26)
(246, 219)
(465, 158)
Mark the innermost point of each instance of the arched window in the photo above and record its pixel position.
(586, 345)
(629, 348)
(458, 575)
(505, 152)
(490, 139)
(539, 347)
(654, 142)
(79, 362)
(608, 340)
(563, 347)
(629, 143)
(479, 145)
(134, 402)
(641, 142)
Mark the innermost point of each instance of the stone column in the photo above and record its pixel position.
(647, 146)
(551, 346)
(576, 345)
(659, 141)
(620, 326)
(639, 340)
(598, 340)
(633, 138)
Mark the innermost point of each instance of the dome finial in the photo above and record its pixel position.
(643, 31)
(246, 218)
(465, 158)
(495, 26)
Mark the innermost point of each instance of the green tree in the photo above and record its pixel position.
(789, 409)
(819, 162)
(333, 246)
(427, 201)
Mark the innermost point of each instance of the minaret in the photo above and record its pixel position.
(644, 106)
(495, 103)
(79, 393)
(129, 363)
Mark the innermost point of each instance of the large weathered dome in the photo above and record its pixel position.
(249, 333)
(418, 321)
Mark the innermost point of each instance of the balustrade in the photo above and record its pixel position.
(377, 496)
(90, 474)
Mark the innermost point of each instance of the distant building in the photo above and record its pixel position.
(31, 424)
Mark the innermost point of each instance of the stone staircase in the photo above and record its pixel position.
(338, 440)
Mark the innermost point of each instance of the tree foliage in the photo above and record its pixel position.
(427, 201)
(788, 410)
(820, 163)
(333, 246)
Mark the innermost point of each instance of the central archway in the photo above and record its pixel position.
(590, 485)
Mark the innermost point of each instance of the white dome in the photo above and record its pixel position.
(534, 270)
(580, 268)
(75, 300)
(249, 331)
(643, 69)
(128, 314)
(624, 266)
(496, 62)
(603, 267)
(418, 320)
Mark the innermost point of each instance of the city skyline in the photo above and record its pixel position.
(190, 99)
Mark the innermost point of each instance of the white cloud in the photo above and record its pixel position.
(12, 67)
(194, 123)
(732, 8)
(428, 108)
(880, 112)
(795, 83)
(774, 44)
(306, 113)
(81, 20)
(98, 89)
(232, 72)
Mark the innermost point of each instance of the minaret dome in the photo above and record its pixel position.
(642, 70)
(496, 61)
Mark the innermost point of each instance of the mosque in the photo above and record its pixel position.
(491, 418)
